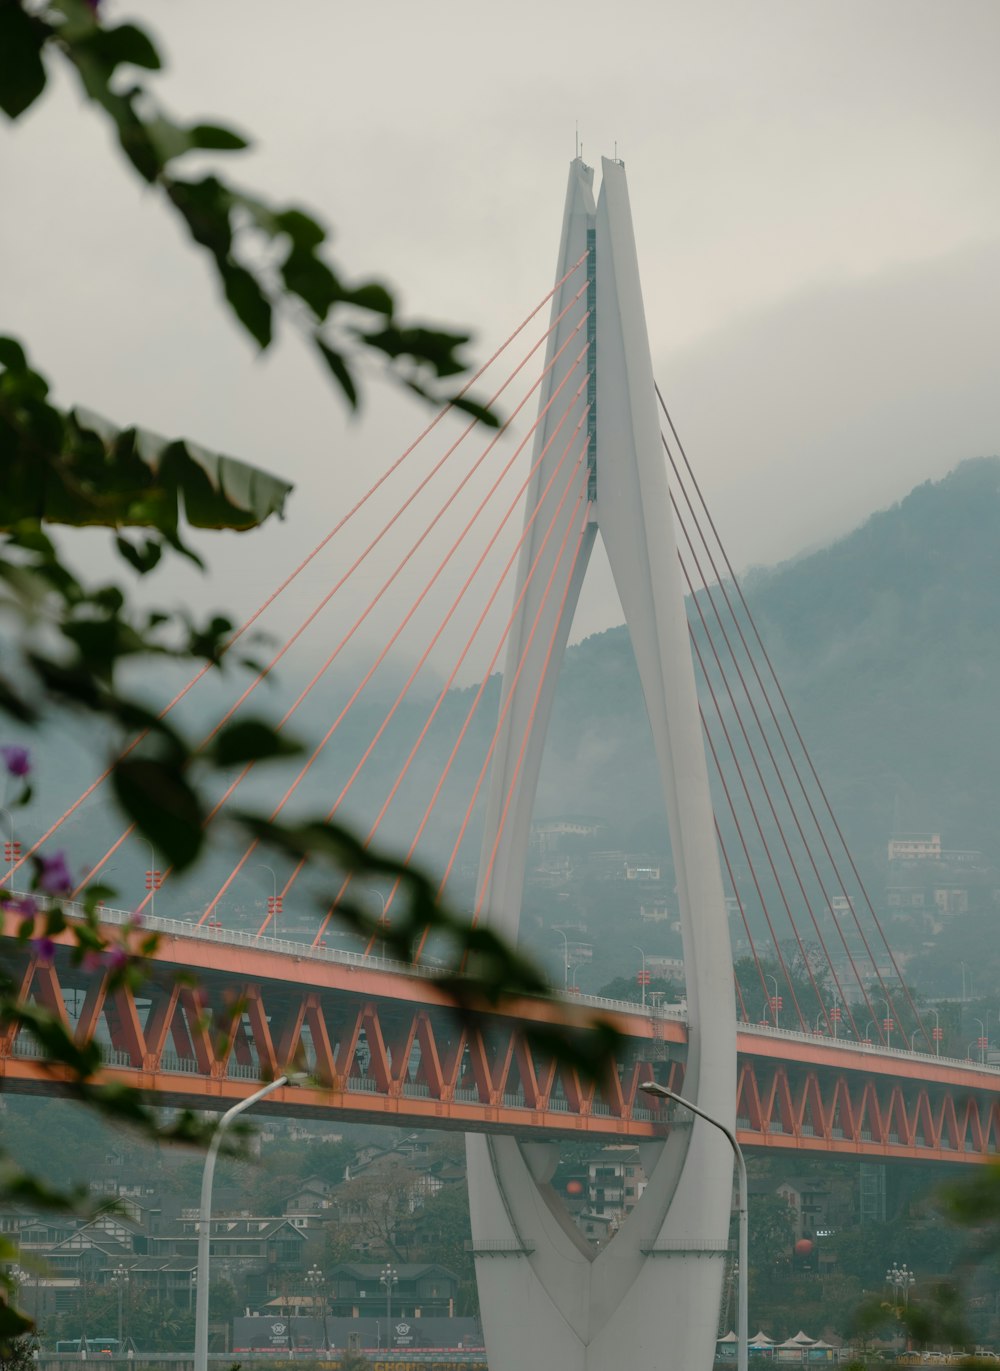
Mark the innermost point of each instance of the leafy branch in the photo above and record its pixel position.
(270, 260)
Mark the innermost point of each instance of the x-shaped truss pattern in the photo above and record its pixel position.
(213, 1018)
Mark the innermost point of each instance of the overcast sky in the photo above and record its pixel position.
(816, 202)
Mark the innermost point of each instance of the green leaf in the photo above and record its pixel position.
(12, 355)
(372, 296)
(216, 137)
(144, 558)
(157, 796)
(250, 741)
(304, 231)
(250, 304)
(124, 43)
(22, 71)
(311, 280)
(341, 371)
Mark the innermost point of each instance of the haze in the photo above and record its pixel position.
(816, 206)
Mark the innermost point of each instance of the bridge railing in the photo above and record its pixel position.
(187, 928)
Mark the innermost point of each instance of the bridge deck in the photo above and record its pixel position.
(383, 1042)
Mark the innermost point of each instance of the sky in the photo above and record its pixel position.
(816, 206)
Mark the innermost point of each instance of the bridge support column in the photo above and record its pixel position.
(650, 1297)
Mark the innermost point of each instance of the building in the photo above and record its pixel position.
(915, 847)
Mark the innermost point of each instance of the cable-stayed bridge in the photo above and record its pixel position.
(431, 558)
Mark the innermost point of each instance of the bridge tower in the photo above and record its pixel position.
(650, 1297)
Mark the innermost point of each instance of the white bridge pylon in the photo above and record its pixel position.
(650, 1297)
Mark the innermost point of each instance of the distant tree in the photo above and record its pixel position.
(627, 988)
(18, 1354)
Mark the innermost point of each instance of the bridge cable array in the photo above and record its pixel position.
(779, 840)
(729, 649)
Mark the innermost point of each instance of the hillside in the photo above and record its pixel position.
(887, 642)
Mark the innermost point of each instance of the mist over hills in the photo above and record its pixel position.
(887, 644)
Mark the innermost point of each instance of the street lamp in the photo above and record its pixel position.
(643, 977)
(937, 1033)
(902, 1280)
(776, 1001)
(205, 1212)
(119, 1277)
(154, 878)
(565, 956)
(982, 1039)
(888, 1024)
(275, 901)
(12, 849)
(388, 1278)
(742, 1318)
(314, 1279)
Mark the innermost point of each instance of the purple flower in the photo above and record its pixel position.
(16, 759)
(54, 876)
(116, 959)
(136, 919)
(45, 950)
(22, 905)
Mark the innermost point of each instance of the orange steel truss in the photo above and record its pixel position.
(382, 1046)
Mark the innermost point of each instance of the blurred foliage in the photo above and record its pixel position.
(66, 643)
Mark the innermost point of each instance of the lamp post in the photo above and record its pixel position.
(11, 849)
(388, 1278)
(205, 1213)
(902, 1280)
(119, 1277)
(937, 1033)
(275, 901)
(154, 878)
(314, 1280)
(742, 1318)
(381, 918)
(888, 1024)
(643, 978)
(565, 956)
(776, 1001)
(981, 1040)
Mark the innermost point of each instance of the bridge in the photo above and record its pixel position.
(385, 1046)
(749, 824)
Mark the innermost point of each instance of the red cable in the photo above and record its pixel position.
(346, 576)
(482, 688)
(465, 650)
(385, 650)
(291, 577)
(510, 696)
